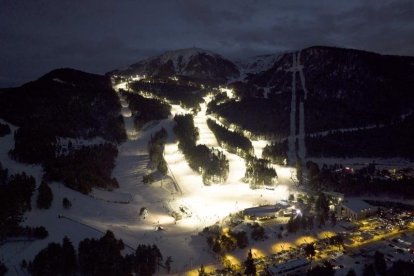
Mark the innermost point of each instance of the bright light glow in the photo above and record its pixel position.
(281, 246)
(258, 146)
(232, 260)
(326, 234)
(228, 91)
(304, 240)
(210, 204)
(257, 253)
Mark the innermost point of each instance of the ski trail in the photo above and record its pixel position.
(292, 136)
(132, 134)
(237, 166)
(301, 134)
(302, 78)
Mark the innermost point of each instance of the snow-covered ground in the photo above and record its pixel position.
(292, 136)
(118, 211)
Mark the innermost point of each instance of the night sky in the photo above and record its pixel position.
(37, 36)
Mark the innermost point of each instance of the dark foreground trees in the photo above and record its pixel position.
(95, 257)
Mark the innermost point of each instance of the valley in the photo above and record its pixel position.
(277, 196)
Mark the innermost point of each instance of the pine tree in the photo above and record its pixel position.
(68, 257)
(66, 203)
(45, 196)
(250, 267)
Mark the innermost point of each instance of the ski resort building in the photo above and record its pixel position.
(356, 209)
(292, 267)
(262, 212)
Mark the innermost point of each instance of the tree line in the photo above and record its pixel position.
(96, 257)
(176, 92)
(234, 142)
(156, 146)
(259, 172)
(145, 110)
(276, 152)
(211, 163)
(4, 130)
(15, 199)
(388, 141)
(84, 168)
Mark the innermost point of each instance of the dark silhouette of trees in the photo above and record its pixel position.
(46, 109)
(4, 130)
(234, 142)
(66, 203)
(249, 266)
(85, 168)
(44, 196)
(310, 250)
(276, 152)
(145, 110)
(211, 163)
(175, 92)
(259, 172)
(167, 264)
(156, 146)
(322, 205)
(15, 199)
(147, 259)
(102, 257)
(54, 260)
(3, 269)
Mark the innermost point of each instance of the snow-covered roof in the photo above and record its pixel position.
(356, 205)
(288, 266)
(261, 210)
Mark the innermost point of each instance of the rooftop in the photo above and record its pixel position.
(356, 205)
(261, 210)
(287, 266)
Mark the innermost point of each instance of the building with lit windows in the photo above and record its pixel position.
(356, 209)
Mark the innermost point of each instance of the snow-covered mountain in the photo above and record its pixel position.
(257, 64)
(191, 62)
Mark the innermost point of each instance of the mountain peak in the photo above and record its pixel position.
(191, 62)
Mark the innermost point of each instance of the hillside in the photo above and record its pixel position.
(192, 62)
(62, 103)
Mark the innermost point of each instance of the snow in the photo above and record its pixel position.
(300, 151)
(256, 64)
(118, 210)
(63, 82)
(291, 138)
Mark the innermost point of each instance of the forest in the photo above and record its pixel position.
(4, 129)
(156, 146)
(365, 181)
(175, 92)
(145, 110)
(234, 142)
(259, 172)
(46, 109)
(276, 152)
(388, 141)
(84, 168)
(265, 116)
(212, 164)
(15, 199)
(96, 257)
